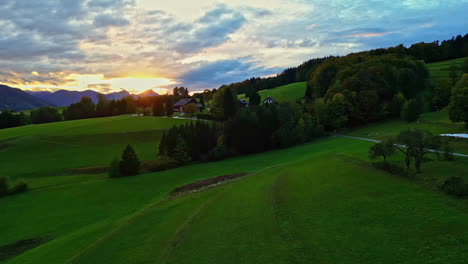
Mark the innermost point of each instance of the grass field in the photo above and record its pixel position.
(436, 122)
(286, 93)
(42, 153)
(320, 202)
(441, 69)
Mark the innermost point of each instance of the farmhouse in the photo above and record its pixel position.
(183, 102)
(269, 100)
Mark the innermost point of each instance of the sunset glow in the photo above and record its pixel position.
(136, 45)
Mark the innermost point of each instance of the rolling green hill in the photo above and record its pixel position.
(441, 69)
(320, 202)
(48, 151)
(285, 93)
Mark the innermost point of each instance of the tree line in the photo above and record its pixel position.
(454, 48)
(86, 108)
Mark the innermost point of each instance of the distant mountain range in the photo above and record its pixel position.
(18, 100)
(66, 97)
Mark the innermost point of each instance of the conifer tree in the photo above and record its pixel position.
(180, 151)
(129, 165)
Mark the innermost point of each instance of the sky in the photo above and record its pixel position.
(109, 45)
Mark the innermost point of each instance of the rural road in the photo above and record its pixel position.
(377, 141)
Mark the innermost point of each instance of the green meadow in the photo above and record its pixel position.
(439, 70)
(43, 154)
(322, 202)
(285, 93)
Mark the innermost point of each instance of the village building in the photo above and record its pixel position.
(183, 102)
(269, 100)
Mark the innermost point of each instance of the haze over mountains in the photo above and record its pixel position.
(17, 100)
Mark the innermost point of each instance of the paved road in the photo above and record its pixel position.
(377, 141)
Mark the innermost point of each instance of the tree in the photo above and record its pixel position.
(4, 186)
(336, 115)
(129, 165)
(202, 102)
(458, 107)
(410, 111)
(230, 104)
(396, 105)
(180, 151)
(158, 108)
(441, 94)
(415, 144)
(453, 74)
(45, 115)
(465, 65)
(190, 109)
(169, 105)
(308, 92)
(103, 107)
(384, 149)
(114, 169)
(255, 98)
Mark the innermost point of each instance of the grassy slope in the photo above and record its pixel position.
(41, 153)
(274, 216)
(436, 122)
(286, 93)
(441, 69)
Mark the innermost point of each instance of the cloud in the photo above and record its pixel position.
(207, 43)
(212, 29)
(107, 20)
(214, 74)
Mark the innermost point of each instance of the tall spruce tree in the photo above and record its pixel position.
(254, 98)
(129, 165)
(230, 104)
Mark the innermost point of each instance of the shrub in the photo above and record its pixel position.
(19, 187)
(7, 189)
(163, 163)
(114, 169)
(4, 186)
(390, 168)
(455, 186)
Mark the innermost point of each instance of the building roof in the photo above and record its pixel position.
(269, 99)
(183, 102)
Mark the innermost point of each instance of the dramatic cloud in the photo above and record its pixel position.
(108, 45)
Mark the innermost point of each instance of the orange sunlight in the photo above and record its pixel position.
(98, 82)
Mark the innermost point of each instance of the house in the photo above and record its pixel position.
(269, 100)
(243, 103)
(183, 102)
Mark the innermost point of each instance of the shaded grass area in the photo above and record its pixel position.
(286, 93)
(11, 250)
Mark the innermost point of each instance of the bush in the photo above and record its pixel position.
(6, 189)
(390, 168)
(163, 163)
(114, 169)
(208, 116)
(20, 186)
(4, 186)
(455, 186)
